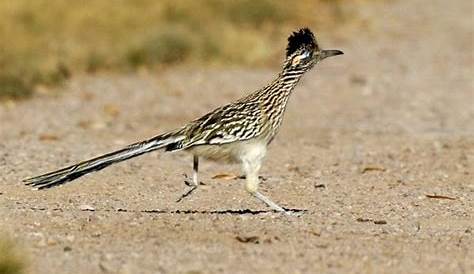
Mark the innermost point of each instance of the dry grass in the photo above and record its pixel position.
(45, 41)
(10, 260)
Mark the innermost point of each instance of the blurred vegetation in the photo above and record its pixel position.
(10, 260)
(43, 42)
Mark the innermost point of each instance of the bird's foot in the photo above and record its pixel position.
(292, 213)
(275, 206)
(192, 186)
(186, 193)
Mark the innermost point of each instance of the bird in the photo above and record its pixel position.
(238, 132)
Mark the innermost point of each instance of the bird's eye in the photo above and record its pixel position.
(302, 57)
(305, 55)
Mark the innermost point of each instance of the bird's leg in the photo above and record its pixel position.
(251, 169)
(194, 183)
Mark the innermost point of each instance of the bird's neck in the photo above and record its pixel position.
(274, 97)
(288, 78)
(284, 83)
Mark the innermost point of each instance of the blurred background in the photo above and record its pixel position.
(44, 42)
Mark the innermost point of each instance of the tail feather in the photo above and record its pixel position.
(72, 172)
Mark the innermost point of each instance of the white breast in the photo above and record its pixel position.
(236, 152)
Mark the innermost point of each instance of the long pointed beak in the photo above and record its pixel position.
(329, 53)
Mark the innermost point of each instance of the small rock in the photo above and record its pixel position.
(85, 124)
(363, 220)
(358, 80)
(380, 222)
(86, 208)
(51, 242)
(70, 238)
(315, 233)
(67, 248)
(250, 239)
(48, 137)
(96, 234)
(372, 168)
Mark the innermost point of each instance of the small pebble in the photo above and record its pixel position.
(86, 208)
(380, 222)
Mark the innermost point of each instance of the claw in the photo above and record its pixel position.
(187, 193)
(292, 213)
(192, 186)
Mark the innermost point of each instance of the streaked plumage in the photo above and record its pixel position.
(238, 132)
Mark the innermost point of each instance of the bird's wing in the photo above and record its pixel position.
(239, 121)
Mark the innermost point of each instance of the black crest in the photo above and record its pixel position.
(302, 38)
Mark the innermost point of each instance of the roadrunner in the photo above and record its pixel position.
(238, 132)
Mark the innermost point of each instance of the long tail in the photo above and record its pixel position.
(72, 172)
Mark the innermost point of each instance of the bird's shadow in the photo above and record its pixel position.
(222, 212)
(296, 211)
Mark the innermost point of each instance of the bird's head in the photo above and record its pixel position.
(303, 51)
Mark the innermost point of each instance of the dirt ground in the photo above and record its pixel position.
(377, 146)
